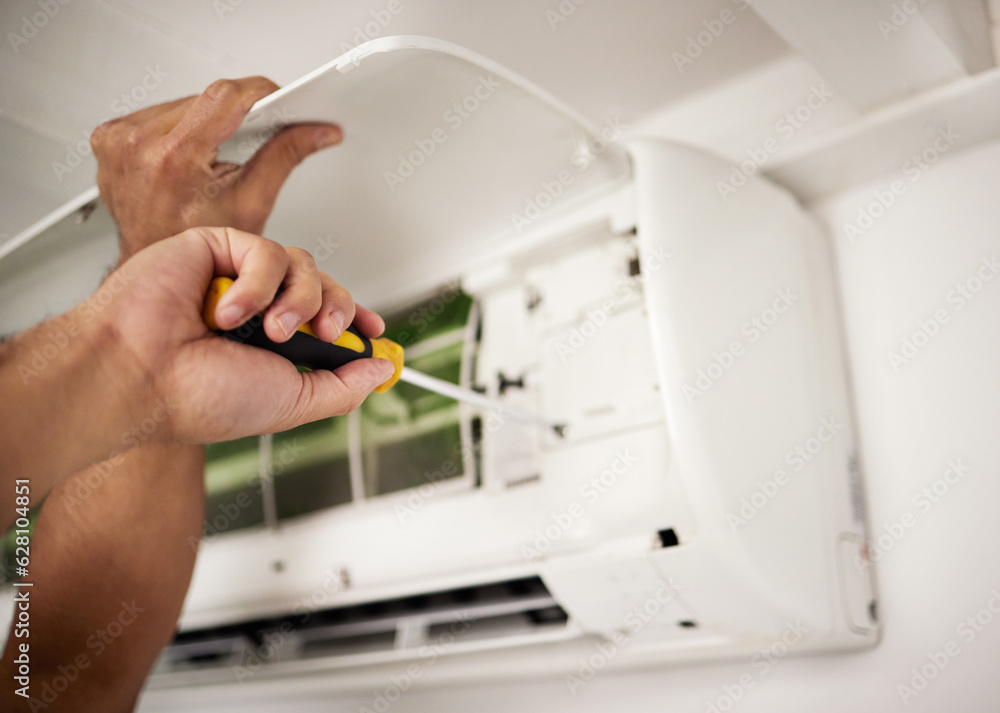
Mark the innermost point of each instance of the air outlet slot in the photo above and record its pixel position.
(448, 619)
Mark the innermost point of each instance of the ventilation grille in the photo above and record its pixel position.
(485, 616)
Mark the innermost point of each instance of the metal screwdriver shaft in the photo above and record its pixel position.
(452, 391)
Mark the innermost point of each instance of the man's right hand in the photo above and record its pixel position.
(221, 389)
(138, 353)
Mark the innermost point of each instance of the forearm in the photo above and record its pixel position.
(71, 394)
(112, 555)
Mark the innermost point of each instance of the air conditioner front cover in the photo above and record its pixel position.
(446, 156)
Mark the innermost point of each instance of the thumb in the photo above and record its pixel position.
(263, 175)
(332, 393)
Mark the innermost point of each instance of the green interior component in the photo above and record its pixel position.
(311, 467)
(214, 451)
(233, 499)
(314, 487)
(427, 458)
(231, 465)
(447, 310)
(409, 436)
(234, 509)
(323, 440)
(444, 363)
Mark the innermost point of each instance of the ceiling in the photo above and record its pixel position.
(88, 62)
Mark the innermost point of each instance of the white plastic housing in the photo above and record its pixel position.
(710, 385)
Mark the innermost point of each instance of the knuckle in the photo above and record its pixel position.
(302, 257)
(341, 295)
(167, 153)
(133, 137)
(264, 82)
(99, 136)
(294, 151)
(354, 402)
(222, 89)
(349, 398)
(276, 253)
(252, 215)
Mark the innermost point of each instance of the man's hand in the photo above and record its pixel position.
(158, 171)
(220, 389)
(157, 375)
(139, 353)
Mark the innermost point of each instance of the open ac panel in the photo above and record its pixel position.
(705, 496)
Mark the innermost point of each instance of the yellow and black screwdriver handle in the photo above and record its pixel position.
(304, 348)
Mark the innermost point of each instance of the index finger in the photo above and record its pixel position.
(258, 265)
(216, 114)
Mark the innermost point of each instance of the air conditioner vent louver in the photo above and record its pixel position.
(484, 616)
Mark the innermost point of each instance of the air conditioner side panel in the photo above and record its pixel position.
(746, 333)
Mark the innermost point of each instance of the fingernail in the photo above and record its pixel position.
(329, 136)
(338, 321)
(230, 316)
(288, 322)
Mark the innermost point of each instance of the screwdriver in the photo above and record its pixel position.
(307, 350)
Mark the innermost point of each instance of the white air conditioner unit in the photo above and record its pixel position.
(705, 500)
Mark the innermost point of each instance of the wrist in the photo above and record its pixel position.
(130, 242)
(119, 379)
(71, 392)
